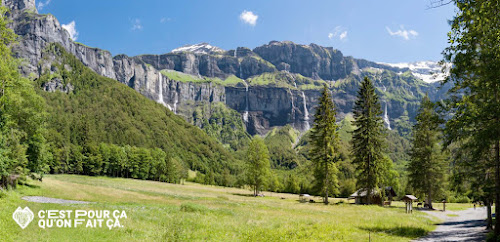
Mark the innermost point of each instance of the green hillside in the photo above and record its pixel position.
(103, 111)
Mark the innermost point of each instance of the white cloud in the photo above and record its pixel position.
(136, 24)
(339, 32)
(43, 4)
(343, 35)
(71, 28)
(164, 20)
(249, 17)
(403, 33)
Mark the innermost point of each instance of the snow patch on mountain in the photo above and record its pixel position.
(201, 48)
(427, 71)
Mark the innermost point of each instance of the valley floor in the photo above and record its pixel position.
(169, 212)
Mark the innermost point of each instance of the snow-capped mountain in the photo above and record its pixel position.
(428, 71)
(201, 48)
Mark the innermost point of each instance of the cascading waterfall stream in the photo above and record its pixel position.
(306, 113)
(245, 114)
(386, 118)
(293, 104)
(294, 82)
(176, 100)
(160, 92)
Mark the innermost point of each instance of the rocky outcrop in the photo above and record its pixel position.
(57, 84)
(37, 31)
(243, 64)
(20, 5)
(309, 60)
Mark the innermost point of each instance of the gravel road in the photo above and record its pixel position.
(469, 225)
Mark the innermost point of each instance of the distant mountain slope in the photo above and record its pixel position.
(270, 86)
(87, 109)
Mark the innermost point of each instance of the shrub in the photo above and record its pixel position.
(193, 208)
(458, 199)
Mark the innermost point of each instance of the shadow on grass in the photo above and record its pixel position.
(243, 194)
(404, 231)
(26, 184)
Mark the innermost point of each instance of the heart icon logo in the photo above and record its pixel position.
(23, 217)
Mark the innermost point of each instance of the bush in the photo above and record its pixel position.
(193, 208)
(458, 199)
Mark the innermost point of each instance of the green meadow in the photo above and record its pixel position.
(173, 212)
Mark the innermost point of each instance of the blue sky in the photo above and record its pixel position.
(384, 31)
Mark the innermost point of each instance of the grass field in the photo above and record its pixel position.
(168, 212)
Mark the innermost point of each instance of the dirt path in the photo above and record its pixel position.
(466, 225)
(38, 199)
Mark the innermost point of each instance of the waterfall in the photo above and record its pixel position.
(235, 52)
(386, 118)
(245, 114)
(160, 92)
(294, 82)
(306, 113)
(293, 104)
(176, 100)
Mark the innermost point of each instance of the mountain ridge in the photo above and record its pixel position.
(256, 83)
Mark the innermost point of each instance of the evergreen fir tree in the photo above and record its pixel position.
(325, 146)
(426, 168)
(367, 141)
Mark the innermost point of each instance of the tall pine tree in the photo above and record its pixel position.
(367, 141)
(427, 162)
(325, 146)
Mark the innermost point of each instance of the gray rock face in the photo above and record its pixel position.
(56, 84)
(272, 106)
(309, 60)
(221, 65)
(20, 5)
(37, 31)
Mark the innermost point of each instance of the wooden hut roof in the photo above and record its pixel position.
(409, 197)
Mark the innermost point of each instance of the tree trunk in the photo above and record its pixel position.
(429, 198)
(489, 224)
(326, 185)
(497, 188)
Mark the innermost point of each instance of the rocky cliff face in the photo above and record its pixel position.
(263, 104)
(36, 31)
(309, 60)
(20, 5)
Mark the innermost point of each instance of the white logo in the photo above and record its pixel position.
(23, 217)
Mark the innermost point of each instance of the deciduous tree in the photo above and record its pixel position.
(258, 164)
